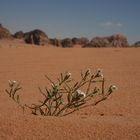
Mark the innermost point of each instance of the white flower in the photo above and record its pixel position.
(68, 74)
(14, 82)
(81, 93)
(99, 70)
(11, 83)
(113, 87)
(99, 73)
(88, 70)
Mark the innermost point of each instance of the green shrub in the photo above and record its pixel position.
(65, 96)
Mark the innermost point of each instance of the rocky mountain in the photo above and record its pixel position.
(116, 40)
(19, 35)
(80, 41)
(37, 37)
(136, 44)
(55, 42)
(4, 33)
(67, 43)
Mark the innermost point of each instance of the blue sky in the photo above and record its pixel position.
(73, 18)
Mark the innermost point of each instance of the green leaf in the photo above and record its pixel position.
(49, 80)
(61, 76)
(42, 92)
(18, 99)
(7, 92)
(75, 84)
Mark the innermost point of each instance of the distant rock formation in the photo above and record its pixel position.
(55, 42)
(98, 42)
(76, 41)
(4, 33)
(84, 41)
(80, 41)
(136, 44)
(117, 40)
(19, 35)
(37, 37)
(67, 43)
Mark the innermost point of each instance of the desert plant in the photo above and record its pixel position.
(66, 96)
(14, 86)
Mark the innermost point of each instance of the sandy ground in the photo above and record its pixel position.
(116, 118)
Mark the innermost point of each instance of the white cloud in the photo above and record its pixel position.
(119, 24)
(112, 24)
(108, 24)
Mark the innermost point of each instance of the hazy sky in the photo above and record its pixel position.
(70, 18)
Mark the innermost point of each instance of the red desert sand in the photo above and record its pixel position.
(117, 118)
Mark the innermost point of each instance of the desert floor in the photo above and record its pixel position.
(117, 118)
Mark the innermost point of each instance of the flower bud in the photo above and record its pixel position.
(11, 83)
(80, 93)
(99, 73)
(113, 87)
